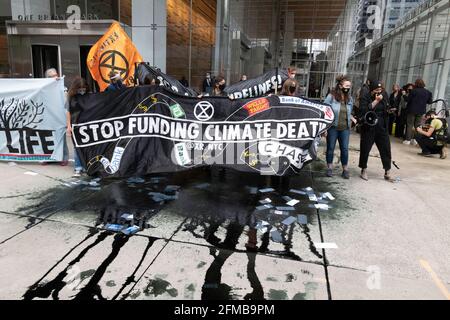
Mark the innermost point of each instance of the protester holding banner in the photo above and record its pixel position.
(290, 87)
(342, 104)
(53, 73)
(219, 87)
(115, 82)
(78, 87)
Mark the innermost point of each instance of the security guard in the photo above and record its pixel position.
(374, 117)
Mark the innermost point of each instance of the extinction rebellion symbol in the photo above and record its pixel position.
(113, 60)
(204, 111)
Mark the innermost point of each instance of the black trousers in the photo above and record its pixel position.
(428, 144)
(379, 136)
(401, 125)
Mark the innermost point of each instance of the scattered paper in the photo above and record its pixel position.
(323, 245)
(285, 208)
(287, 198)
(329, 196)
(280, 213)
(265, 201)
(131, 230)
(135, 180)
(172, 189)
(276, 236)
(302, 219)
(321, 206)
(264, 207)
(29, 173)
(293, 202)
(297, 192)
(252, 190)
(114, 227)
(266, 190)
(288, 221)
(312, 197)
(127, 216)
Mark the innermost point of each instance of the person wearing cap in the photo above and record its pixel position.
(115, 82)
(377, 101)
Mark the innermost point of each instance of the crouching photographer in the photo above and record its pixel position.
(432, 136)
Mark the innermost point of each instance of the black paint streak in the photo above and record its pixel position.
(57, 284)
(92, 289)
(131, 278)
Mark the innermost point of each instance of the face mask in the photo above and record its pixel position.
(82, 92)
(345, 90)
(292, 90)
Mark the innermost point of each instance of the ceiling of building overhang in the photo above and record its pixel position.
(312, 18)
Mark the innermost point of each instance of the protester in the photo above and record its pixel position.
(417, 107)
(400, 128)
(219, 87)
(53, 73)
(394, 103)
(244, 77)
(342, 104)
(208, 84)
(431, 137)
(115, 82)
(78, 87)
(290, 88)
(292, 71)
(375, 101)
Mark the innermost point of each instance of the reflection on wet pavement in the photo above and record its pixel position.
(229, 211)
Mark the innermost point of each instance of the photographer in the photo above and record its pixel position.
(375, 102)
(431, 136)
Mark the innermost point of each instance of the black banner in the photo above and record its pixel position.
(149, 129)
(165, 80)
(258, 87)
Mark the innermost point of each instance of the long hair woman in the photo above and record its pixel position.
(342, 104)
(78, 87)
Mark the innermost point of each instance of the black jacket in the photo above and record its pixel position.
(418, 100)
(380, 109)
(394, 102)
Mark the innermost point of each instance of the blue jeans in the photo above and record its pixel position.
(78, 166)
(344, 138)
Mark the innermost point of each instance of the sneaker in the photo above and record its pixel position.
(364, 175)
(443, 153)
(414, 142)
(346, 174)
(77, 174)
(329, 173)
(407, 142)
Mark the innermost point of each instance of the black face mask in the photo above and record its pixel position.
(345, 90)
(292, 90)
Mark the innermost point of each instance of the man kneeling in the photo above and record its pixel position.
(431, 137)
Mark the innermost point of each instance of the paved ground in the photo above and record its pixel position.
(392, 238)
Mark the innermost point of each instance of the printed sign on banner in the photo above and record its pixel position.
(150, 129)
(32, 119)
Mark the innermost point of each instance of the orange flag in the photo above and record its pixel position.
(113, 52)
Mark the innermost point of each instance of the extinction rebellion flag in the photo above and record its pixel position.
(150, 129)
(113, 52)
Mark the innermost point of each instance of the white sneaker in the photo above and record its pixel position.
(414, 142)
(77, 174)
(407, 142)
